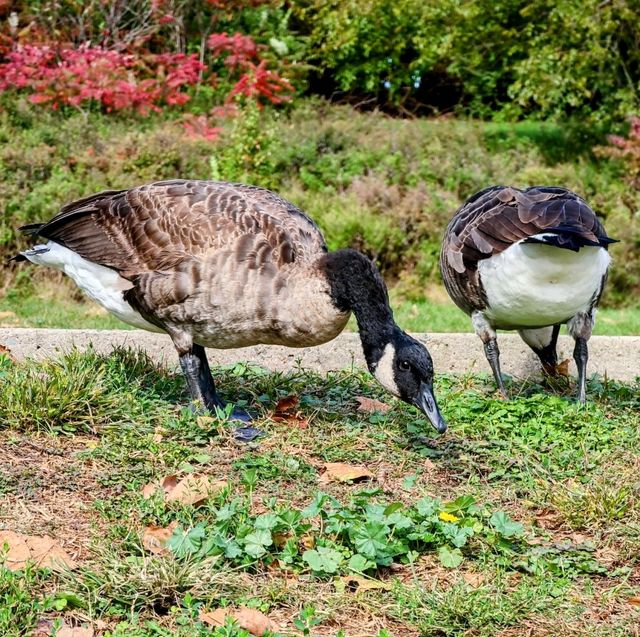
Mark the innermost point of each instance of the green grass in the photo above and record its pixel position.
(522, 519)
(440, 315)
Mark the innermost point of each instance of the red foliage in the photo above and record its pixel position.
(259, 82)
(628, 149)
(242, 49)
(256, 80)
(117, 81)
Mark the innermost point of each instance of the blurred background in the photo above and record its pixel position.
(377, 117)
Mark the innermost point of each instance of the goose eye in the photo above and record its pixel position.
(404, 366)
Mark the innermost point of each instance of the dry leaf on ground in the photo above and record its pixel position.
(42, 551)
(154, 538)
(340, 472)
(562, 368)
(287, 411)
(254, 621)
(364, 583)
(67, 631)
(192, 489)
(473, 579)
(634, 601)
(7, 352)
(45, 629)
(371, 405)
(166, 484)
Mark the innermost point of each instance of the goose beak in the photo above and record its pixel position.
(426, 402)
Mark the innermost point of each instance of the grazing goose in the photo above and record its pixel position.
(225, 265)
(528, 260)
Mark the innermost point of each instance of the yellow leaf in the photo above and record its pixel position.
(447, 517)
(340, 472)
(364, 583)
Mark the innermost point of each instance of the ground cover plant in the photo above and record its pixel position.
(347, 519)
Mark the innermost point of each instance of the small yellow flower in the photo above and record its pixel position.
(447, 517)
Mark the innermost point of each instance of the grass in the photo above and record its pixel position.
(521, 520)
(58, 308)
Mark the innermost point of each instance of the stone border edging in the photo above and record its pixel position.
(616, 356)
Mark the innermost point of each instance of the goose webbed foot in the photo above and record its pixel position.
(203, 392)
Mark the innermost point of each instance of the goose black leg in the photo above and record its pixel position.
(492, 353)
(581, 356)
(485, 331)
(580, 327)
(195, 367)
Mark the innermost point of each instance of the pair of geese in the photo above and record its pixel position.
(223, 265)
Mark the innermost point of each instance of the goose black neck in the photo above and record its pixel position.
(357, 286)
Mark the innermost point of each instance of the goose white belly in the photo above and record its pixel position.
(101, 284)
(535, 285)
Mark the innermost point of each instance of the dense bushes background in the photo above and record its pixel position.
(488, 58)
(385, 185)
(98, 95)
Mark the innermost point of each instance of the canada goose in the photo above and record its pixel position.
(528, 260)
(225, 265)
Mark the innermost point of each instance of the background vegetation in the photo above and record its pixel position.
(109, 95)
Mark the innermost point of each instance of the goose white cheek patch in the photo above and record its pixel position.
(384, 370)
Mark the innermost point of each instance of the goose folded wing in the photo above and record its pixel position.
(498, 217)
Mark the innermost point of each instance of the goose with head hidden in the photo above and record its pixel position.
(224, 265)
(528, 260)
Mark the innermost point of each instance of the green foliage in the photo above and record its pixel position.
(363, 535)
(21, 599)
(513, 56)
(387, 551)
(386, 187)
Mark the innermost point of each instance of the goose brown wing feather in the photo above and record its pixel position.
(158, 226)
(494, 219)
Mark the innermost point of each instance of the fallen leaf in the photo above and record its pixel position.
(286, 411)
(42, 551)
(634, 601)
(371, 405)
(154, 538)
(562, 368)
(7, 352)
(166, 484)
(473, 579)
(252, 620)
(340, 472)
(214, 618)
(364, 583)
(67, 631)
(287, 405)
(157, 435)
(194, 489)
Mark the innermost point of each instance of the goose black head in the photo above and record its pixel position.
(405, 369)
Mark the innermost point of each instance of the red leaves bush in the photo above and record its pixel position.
(627, 149)
(141, 82)
(118, 81)
(256, 81)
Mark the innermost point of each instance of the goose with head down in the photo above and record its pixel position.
(223, 265)
(529, 260)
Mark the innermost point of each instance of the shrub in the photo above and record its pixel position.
(116, 81)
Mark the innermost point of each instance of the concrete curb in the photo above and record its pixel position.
(616, 356)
